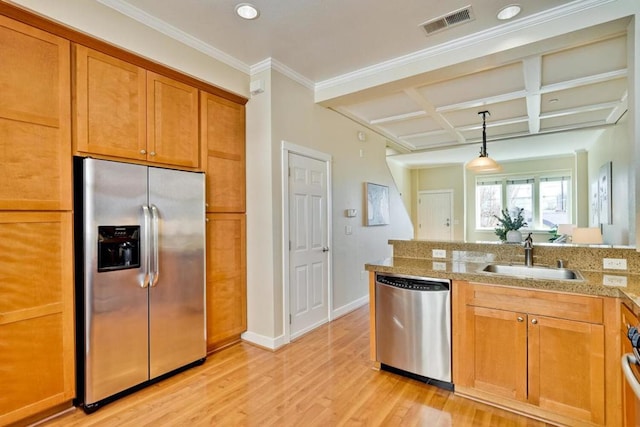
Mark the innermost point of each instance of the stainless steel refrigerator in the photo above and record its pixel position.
(140, 275)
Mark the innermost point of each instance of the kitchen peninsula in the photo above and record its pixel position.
(547, 348)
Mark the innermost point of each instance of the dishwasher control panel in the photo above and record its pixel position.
(413, 283)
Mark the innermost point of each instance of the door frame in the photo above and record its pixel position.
(290, 148)
(426, 192)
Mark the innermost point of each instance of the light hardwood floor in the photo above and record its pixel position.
(324, 378)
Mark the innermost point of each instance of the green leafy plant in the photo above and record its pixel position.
(507, 222)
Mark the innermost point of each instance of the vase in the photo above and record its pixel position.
(514, 236)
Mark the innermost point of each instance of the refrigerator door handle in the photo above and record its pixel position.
(155, 274)
(146, 240)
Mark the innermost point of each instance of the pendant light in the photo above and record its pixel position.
(484, 163)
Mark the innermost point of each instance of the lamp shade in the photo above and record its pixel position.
(484, 164)
(586, 235)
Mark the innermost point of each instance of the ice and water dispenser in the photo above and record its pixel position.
(118, 247)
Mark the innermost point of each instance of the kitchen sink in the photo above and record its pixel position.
(535, 272)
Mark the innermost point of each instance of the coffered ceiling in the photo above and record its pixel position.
(534, 76)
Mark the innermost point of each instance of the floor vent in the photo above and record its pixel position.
(449, 20)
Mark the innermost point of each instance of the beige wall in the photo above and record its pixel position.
(614, 146)
(296, 119)
(402, 177)
(441, 178)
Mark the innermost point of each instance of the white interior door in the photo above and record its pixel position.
(435, 215)
(309, 250)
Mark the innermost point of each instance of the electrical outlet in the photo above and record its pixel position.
(614, 263)
(439, 253)
(439, 266)
(618, 281)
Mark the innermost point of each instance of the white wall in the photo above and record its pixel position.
(614, 146)
(296, 119)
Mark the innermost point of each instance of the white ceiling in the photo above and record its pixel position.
(553, 84)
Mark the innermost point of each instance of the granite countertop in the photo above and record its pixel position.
(593, 283)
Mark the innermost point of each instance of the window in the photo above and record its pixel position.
(546, 199)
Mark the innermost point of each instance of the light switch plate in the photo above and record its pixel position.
(439, 253)
(614, 263)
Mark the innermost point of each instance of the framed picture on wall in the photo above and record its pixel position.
(377, 204)
(594, 219)
(604, 193)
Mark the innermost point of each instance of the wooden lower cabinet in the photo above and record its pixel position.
(226, 279)
(37, 369)
(540, 353)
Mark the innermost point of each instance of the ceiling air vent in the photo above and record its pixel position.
(449, 20)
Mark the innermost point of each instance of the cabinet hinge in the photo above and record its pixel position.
(289, 318)
(289, 244)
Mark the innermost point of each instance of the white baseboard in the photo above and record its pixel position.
(263, 341)
(348, 308)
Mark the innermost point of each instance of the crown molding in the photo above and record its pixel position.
(174, 33)
(274, 64)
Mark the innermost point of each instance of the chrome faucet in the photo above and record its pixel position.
(528, 251)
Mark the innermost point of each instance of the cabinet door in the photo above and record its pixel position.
(566, 367)
(110, 106)
(35, 125)
(172, 122)
(494, 352)
(223, 138)
(226, 279)
(36, 313)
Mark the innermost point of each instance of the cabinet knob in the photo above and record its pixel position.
(153, 153)
(534, 321)
(143, 151)
(520, 319)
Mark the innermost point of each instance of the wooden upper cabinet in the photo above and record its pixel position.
(110, 106)
(172, 122)
(222, 127)
(125, 111)
(35, 119)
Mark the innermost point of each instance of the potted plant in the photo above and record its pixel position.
(509, 226)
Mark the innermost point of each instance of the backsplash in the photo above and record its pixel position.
(573, 256)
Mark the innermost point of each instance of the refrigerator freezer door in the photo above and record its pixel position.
(116, 310)
(177, 295)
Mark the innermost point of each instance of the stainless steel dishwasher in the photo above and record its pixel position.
(413, 326)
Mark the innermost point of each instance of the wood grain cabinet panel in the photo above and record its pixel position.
(35, 112)
(549, 367)
(226, 279)
(36, 313)
(110, 107)
(125, 111)
(172, 122)
(222, 128)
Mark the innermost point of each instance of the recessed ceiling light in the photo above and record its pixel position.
(247, 11)
(509, 12)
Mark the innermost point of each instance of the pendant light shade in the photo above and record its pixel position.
(484, 163)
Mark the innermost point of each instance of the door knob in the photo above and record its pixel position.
(520, 319)
(325, 249)
(534, 321)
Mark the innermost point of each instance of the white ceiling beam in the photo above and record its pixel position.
(532, 70)
(475, 103)
(431, 110)
(578, 110)
(398, 118)
(583, 81)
